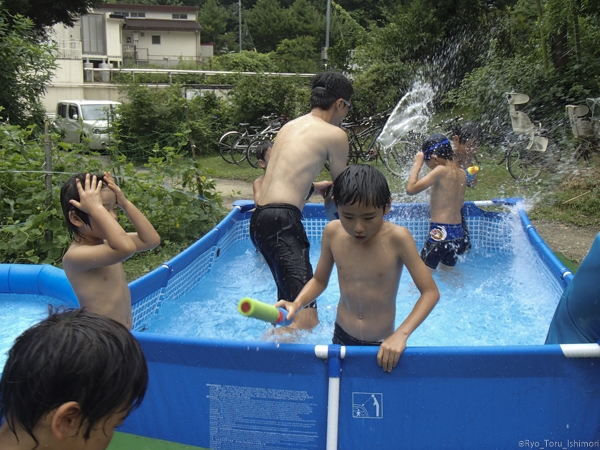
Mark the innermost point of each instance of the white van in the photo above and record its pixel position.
(86, 119)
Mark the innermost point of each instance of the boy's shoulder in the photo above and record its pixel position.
(398, 235)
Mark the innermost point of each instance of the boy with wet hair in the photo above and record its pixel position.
(448, 235)
(94, 261)
(369, 253)
(69, 381)
(302, 147)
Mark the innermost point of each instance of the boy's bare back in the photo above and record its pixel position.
(448, 194)
(300, 151)
(448, 184)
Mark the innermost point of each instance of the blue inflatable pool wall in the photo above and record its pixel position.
(247, 395)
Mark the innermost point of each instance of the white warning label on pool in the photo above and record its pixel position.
(367, 405)
(248, 418)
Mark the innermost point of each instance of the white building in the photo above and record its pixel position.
(113, 35)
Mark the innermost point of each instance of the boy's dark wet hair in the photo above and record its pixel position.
(327, 87)
(362, 184)
(468, 131)
(73, 355)
(68, 192)
(437, 145)
(262, 148)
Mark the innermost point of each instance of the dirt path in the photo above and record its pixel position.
(573, 242)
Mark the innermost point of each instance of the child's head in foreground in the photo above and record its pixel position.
(69, 192)
(73, 377)
(263, 153)
(361, 184)
(437, 145)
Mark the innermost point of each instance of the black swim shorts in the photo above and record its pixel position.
(343, 338)
(276, 230)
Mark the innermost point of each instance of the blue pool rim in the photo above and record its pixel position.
(437, 397)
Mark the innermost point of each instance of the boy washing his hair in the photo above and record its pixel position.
(94, 261)
(69, 381)
(369, 253)
(448, 234)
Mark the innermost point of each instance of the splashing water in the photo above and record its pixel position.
(412, 113)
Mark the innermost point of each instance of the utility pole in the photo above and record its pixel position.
(328, 17)
(240, 22)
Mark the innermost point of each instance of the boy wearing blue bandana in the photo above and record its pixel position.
(448, 235)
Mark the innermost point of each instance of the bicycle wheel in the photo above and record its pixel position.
(225, 143)
(353, 152)
(239, 148)
(251, 155)
(524, 164)
(591, 154)
(399, 156)
(372, 148)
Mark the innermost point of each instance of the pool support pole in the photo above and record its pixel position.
(334, 355)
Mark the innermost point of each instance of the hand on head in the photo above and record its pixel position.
(420, 158)
(110, 182)
(89, 194)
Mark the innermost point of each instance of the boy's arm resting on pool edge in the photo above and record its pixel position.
(318, 283)
(392, 347)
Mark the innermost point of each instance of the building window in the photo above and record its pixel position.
(138, 14)
(156, 40)
(121, 13)
(180, 16)
(128, 39)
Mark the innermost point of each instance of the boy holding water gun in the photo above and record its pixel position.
(369, 253)
(448, 234)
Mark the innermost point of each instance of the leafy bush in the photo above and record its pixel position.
(164, 118)
(32, 227)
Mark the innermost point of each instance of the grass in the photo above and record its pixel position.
(125, 441)
(554, 196)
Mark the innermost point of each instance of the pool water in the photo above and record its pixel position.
(17, 313)
(498, 298)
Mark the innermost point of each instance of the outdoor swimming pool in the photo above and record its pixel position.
(503, 297)
(242, 394)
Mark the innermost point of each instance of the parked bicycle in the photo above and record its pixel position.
(401, 154)
(531, 149)
(274, 124)
(587, 130)
(362, 142)
(229, 138)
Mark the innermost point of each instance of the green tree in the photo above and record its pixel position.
(306, 20)
(269, 24)
(297, 55)
(44, 14)
(27, 67)
(245, 61)
(214, 18)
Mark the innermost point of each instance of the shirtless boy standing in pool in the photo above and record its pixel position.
(448, 236)
(302, 147)
(94, 261)
(369, 254)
